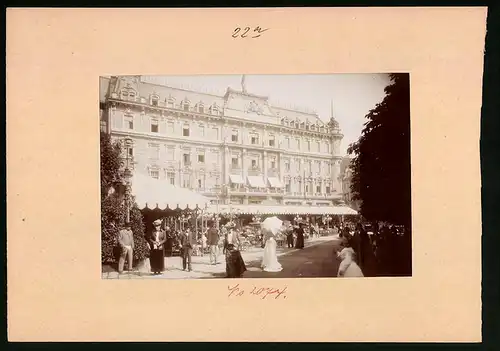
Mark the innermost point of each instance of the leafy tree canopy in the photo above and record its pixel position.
(381, 157)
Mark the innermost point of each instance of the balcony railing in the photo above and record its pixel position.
(253, 171)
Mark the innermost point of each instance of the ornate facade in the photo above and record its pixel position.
(234, 149)
(345, 181)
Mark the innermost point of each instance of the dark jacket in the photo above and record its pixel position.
(187, 241)
(212, 236)
(162, 237)
(236, 241)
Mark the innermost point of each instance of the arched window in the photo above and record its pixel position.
(154, 99)
(214, 109)
(185, 105)
(200, 108)
(128, 94)
(171, 102)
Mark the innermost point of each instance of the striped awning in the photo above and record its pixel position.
(236, 179)
(282, 209)
(154, 193)
(256, 182)
(275, 182)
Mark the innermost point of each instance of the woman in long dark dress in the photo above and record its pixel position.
(299, 242)
(156, 242)
(235, 266)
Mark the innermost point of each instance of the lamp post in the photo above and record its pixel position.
(196, 213)
(219, 193)
(326, 220)
(127, 176)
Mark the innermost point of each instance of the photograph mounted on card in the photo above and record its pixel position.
(259, 169)
(225, 176)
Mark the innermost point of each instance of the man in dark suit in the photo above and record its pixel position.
(186, 244)
(213, 243)
(289, 236)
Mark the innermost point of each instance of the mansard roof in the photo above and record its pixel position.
(235, 101)
(294, 115)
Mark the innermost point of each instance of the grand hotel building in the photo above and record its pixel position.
(234, 149)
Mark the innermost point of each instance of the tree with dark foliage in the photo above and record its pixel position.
(381, 163)
(382, 174)
(113, 209)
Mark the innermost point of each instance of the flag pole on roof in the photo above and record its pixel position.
(243, 86)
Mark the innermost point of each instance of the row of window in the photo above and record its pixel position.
(303, 125)
(307, 189)
(154, 154)
(299, 187)
(254, 138)
(154, 100)
(186, 179)
(309, 165)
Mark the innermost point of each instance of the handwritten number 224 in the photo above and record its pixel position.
(238, 32)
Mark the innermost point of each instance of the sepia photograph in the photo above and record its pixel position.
(255, 176)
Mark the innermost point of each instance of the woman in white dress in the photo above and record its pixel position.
(348, 266)
(270, 259)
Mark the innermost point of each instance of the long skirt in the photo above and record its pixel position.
(353, 271)
(299, 243)
(157, 262)
(235, 266)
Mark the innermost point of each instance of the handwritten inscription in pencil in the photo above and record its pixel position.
(259, 292)
(248, 32)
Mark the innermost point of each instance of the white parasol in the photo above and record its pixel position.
(272, 224)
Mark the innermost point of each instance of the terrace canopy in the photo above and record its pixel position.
(282, 209)
(236, 179)
(153, 193)
(256, 181)
(275, 182)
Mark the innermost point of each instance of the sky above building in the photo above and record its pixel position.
(353, 95)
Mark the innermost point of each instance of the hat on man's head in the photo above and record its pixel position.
(157, 222)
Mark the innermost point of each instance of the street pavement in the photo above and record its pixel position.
(315, 260)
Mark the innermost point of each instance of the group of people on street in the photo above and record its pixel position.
(376, 249)
(295, 233)
(186, 242)
(162, 241)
